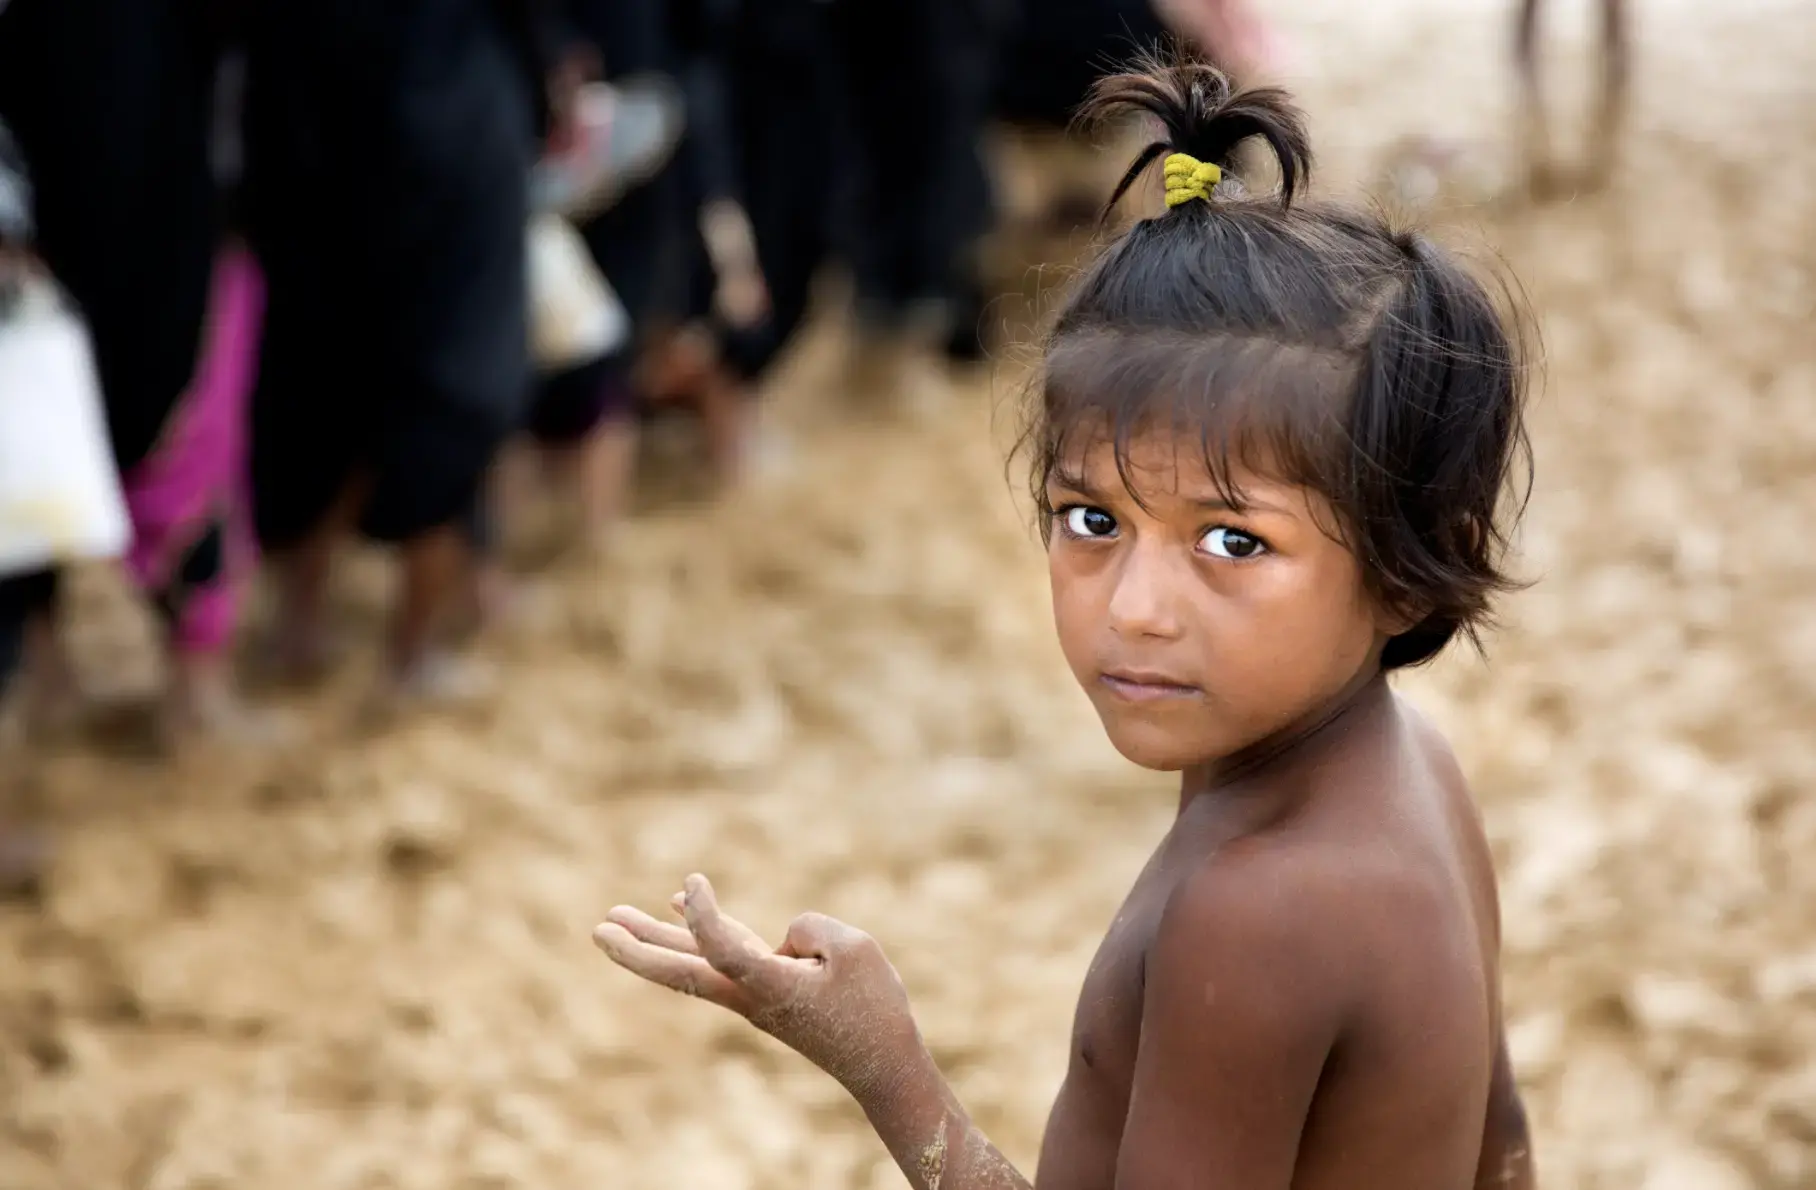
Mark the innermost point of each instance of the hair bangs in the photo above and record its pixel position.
(1252, 405)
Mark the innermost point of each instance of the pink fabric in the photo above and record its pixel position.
(196, 475)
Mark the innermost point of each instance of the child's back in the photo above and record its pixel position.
(1361, 855)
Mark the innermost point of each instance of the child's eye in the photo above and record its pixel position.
(1225, 542)
(1081, 520)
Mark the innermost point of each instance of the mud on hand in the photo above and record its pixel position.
(827, 992)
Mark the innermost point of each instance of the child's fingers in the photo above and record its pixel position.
(645, 928)
(729, 945)
(688, 974)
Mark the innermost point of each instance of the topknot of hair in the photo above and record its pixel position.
(1202, 113)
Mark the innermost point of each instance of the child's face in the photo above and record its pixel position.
(1198, 631)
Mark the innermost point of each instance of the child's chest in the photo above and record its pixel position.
(1084, 1133)
(1107, 1027)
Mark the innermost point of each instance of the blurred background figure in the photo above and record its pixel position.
(114, 105)
(193, 545)
(387, 173)
(1422, 168)
(916, 82)
(577, 462)
(23, 596)
(582, 421)
(1613, 69)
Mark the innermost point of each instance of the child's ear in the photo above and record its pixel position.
(1398, 619)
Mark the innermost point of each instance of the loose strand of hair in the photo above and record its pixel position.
(1142, 160)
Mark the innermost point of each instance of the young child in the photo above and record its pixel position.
(1272, 439)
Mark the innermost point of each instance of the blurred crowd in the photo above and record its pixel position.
(335, 269)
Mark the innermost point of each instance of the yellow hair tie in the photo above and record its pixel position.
(1189, 178)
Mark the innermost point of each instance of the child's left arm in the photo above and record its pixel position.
(828, 993)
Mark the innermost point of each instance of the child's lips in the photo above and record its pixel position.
(1134, 685)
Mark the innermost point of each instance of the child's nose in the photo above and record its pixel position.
(1145, 601)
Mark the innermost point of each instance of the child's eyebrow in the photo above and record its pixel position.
(1220, 504)
(1072, 482)
(1081, 486)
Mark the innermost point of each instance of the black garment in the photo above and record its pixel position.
(568, 405)
(388, 149)
(637, 240)
(110, 101)
(1055, 49)
(636, 243)
(785, 161)
(762, 118)
(915, 75)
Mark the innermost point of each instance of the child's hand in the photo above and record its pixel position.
(827, 992)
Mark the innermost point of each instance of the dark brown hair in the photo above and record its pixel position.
(1315, 343)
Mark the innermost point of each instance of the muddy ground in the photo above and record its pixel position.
(366, 964)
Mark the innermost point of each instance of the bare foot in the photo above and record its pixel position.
(593, 481)
(496, 603)
(728, 416)
(1605, 137)
(605, 476)
(300, 651)
(439, 680)
(486, 600)
(1544, 178)
(769, 455)
(202, 707)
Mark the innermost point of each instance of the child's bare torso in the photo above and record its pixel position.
(1406, 1088)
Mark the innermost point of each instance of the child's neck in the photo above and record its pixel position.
(1236, 774)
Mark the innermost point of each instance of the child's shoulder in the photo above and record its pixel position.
(1277, 939)
(1344, 903)
(1300, 895)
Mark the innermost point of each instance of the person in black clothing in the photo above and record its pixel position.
(26, 600)
(109, 102)
(714, 257)
(23, 597)
(916, 78)
(583, 421)
(387, 157)
(821, 131)
(761, 168)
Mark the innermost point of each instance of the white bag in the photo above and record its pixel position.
(60, 497)
(574, 314)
